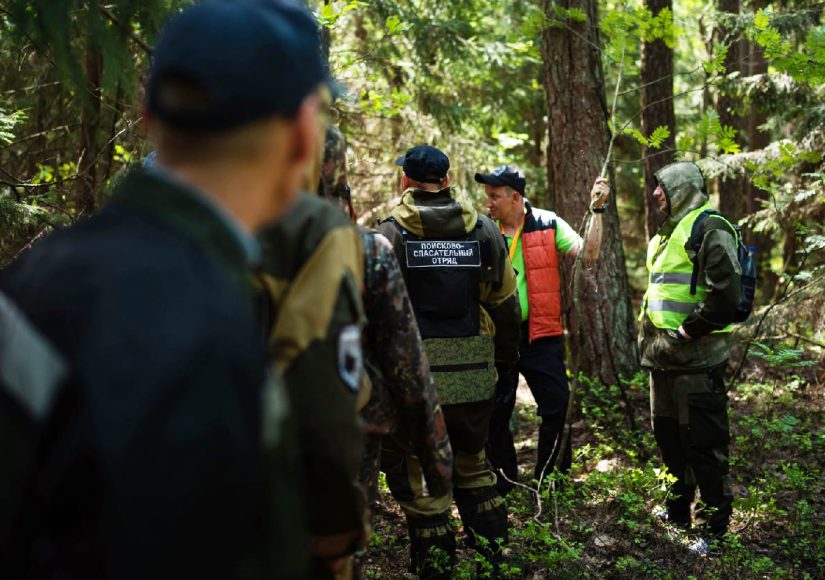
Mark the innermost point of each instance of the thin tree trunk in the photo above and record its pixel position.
(657, 111)
(89, 126)
(602, 341)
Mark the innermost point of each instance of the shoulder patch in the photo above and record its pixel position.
(350, 356)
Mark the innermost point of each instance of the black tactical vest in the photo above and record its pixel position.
(442, 277)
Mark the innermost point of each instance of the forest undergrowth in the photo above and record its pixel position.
(601, 523)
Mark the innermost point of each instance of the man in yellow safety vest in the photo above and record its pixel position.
(684, 343)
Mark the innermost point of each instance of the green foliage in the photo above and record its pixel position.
(716, 63)
(654, 140)
(626, 27)
(8, 121)
(768, 174)
(332, 12)
(782, 356)
(70, 31)
(560, 14)
(711, 131)
(805, 65)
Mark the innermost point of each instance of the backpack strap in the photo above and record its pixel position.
(485, 244)
(406, 234)
(697, 236)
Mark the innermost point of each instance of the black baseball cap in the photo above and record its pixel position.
(425, 163)
(504, 175)
(235, 62)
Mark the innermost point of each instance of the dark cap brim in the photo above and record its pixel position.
(489, 179)
(400, 160)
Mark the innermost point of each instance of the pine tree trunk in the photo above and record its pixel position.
(602, 341)
(731, 191)
(755, 197)
(657, 111)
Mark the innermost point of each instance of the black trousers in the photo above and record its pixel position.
(542, 364)
(690, 423)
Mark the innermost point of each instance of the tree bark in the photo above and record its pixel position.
(602, 340)
(755, 197)
(731, 191)
(657, 111)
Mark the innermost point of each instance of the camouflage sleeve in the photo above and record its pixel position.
(394, 346)
(721, 271)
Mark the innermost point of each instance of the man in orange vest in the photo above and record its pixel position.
(535, 238)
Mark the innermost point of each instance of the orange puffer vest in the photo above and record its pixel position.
(541, 262)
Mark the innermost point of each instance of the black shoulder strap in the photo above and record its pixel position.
(406, 234)
(484, 244)
(695, 242)
(697, 236)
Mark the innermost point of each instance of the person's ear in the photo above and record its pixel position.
(405, 182)
(305, 141)
(446, 181)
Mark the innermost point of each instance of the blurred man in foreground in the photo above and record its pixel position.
(161, 452)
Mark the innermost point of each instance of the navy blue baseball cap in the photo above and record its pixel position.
(221, 64)
(504, 175)
(425, 163)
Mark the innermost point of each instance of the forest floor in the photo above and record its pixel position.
(602, 525)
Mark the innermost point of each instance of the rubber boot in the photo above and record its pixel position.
(484, 515)
(432, 547)
(666, 431)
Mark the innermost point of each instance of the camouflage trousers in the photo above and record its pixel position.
(482, 509)
(690, 422)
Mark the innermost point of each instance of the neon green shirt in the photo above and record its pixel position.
(566, 238)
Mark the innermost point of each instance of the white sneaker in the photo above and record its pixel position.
(707, 547)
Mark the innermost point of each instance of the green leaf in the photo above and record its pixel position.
(658, 136)
(394, 25)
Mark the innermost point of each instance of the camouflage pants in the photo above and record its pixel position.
(467, 425)
(481, 508)
(690, 422)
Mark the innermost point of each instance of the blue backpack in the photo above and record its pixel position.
(747, 285)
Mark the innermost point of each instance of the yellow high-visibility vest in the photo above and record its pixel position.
(668, 300)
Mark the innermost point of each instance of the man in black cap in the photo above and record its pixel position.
(536, 238)
(463, 294)
(158, 452)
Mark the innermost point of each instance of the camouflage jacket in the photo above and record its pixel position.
(403, 401)
(311, 273)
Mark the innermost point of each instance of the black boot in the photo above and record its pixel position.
(432, 547)
(485, 521)
(668, 437)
